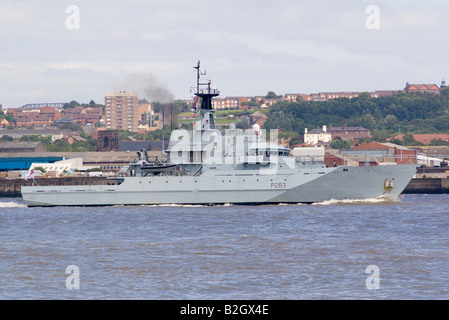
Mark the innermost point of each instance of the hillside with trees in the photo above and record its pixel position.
(384, 116)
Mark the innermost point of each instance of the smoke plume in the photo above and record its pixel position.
(147, 88)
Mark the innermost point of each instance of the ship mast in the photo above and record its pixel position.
(205, 94)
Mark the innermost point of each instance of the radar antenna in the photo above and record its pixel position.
(199, 73)
(207, 91)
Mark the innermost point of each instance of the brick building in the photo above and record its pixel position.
(107, 140)
(122, 111)
(423, 88)
(382, 152)
(354, 134)
(225, 103)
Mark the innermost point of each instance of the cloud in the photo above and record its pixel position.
(15, 14)
(250, 46)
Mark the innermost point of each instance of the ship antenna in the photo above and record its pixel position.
(199, 73)
(163, 139)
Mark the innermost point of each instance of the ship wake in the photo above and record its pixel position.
(378, 200)
(188, 205)
(12, 204)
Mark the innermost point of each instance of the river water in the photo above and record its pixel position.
(331, 250)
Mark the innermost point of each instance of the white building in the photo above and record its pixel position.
(316, 136)
(59, 167)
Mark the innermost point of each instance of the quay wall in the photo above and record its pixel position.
(428, 185)
(11, 187)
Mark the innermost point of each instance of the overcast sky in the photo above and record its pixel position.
(248, 47)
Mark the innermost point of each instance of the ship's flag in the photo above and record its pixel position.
(196, 103)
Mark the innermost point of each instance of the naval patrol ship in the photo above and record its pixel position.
(210, 167)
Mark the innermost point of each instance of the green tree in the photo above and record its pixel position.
(10, 118)
(438, 142)
(379, 135)
(272, 95)
(408, 139)
(181, 106)
(410, 112)
(368, 121)
(6, 138)
(391, 121)
(242, 124)
(251, 104)
(31, 137)
(72, 104)
(296, 140)
(339, 143)
(70, 126)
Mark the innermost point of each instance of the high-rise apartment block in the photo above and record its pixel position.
(121, 111)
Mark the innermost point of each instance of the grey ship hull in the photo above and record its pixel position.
(304, 185)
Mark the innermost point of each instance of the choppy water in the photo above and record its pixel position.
(295, 252)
